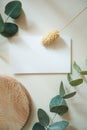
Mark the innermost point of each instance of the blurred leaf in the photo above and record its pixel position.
(76, 67)
(58, 125)
(13, 9)
(1, 24)
(86, 61)
(76, 82)
(43, 117)
(69, 77)
(83, 72)
(69, 95)
(58, 105)
(38, 126)
(10, 29)
(62, 91)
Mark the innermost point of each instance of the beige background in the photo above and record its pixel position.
(39, 17)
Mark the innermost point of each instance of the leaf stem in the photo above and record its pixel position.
(46, 128)
(7, 19)
(54, 117)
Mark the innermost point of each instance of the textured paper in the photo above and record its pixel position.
(28, 55)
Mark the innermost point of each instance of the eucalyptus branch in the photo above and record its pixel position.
(58, 106)
(54, 117)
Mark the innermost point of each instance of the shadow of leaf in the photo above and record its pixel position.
(22, 22)
(29, 122)
(68, 118)
(4, 49)
(71, 128)
(58, 44)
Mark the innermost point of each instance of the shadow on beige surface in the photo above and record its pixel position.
(68, 118)
(71, 128)
(22, 22)
(29, 122)
(58, 44)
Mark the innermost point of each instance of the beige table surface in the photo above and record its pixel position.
(39, 17)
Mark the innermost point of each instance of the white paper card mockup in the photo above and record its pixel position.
(29, 55)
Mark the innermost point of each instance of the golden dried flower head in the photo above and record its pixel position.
(50, 38)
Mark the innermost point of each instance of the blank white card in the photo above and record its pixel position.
(29, 55)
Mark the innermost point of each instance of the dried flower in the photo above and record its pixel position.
(50, 37)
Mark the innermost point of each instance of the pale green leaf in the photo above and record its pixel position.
(76, 82)
(43, 117)
(69, 95)
(76, 67)
(69, 78)
(59, 125)
(83, 72)
(62, 91)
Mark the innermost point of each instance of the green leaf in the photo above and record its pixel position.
(69, 95)
(83, 72)
(69, 77)
(76, 67)
(1, 24)
(76, 82)
(43, 117)
(58, 105)
(13, 9)
(62, 91)
(59, 125)
(38, 126)
(10, 29)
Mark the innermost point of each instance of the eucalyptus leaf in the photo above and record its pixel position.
(59, 125)
(76, 82)
(38, 126)
(62, 91)
(43, 117)
(10, 29)
(69, 78)
(13, 9)
(83, 72)
(76, 67)
(1, 24)
(58, 105)
(69, 95)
